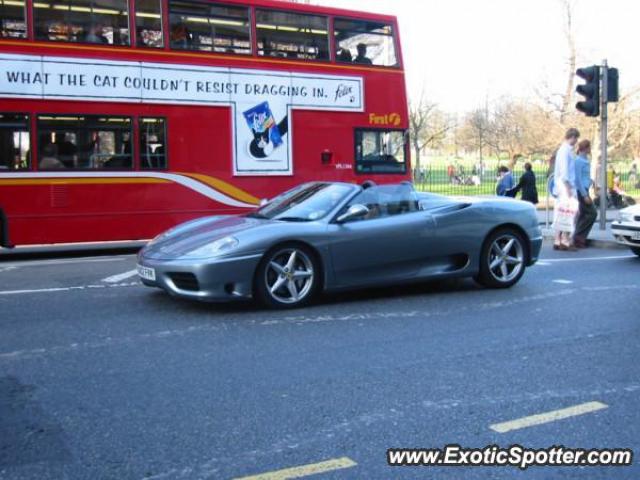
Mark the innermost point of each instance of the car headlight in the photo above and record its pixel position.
(159, 237)
(213, 249)
(625, 216)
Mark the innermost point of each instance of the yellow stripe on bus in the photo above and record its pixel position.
(223, 187)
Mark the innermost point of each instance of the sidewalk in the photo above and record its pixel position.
(597, 238)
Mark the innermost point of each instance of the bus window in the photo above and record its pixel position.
(365, 42)
(381, 151)
(153, 143)
(84, 142)
(210, 27)
(292, 35)
(13, 23)
(14, 141)
(88, 21)
(149, 23)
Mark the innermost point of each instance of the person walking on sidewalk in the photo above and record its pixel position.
(564, 187)
(587, 214)
(504, 187)
(526, 185)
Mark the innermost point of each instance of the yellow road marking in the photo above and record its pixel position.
(547, 417)
(304, 470)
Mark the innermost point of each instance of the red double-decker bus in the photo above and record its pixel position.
(121, 118)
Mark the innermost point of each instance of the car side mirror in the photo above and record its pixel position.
(354, 212)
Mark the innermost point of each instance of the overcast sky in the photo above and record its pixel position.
(465, 50)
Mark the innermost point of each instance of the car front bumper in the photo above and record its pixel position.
(213, 280)
(534, 234)
(626, 233)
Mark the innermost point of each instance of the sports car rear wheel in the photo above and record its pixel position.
(636, 250)
(287, 277)
(502, 261)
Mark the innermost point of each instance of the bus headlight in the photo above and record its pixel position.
(213, 249)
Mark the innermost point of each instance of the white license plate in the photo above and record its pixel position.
(635, 236)
(147, 273)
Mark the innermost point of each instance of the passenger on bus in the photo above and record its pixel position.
(95, 34)
(180, 36)
(344, 55)
(48, 158)
(67, 150)
(362, 55)
(125, 148)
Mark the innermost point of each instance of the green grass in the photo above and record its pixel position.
(437, 180)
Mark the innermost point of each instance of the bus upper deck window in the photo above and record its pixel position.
(365, 42)
(14, 141)
(292, 35)
(13, 22)
(209, 27)
(153, 143)
(149, 24)
(87, 21)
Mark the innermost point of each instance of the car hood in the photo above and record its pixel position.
(192, 235)
(633, 209)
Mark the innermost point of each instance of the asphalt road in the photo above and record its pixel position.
(103, 378)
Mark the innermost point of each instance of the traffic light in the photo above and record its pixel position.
(612, 85)
(590, 106)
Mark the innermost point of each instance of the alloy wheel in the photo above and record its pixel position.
(289, 276)
(506, 258)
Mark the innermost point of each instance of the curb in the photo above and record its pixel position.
(70, 250)
(548, 236)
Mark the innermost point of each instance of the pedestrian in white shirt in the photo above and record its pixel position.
(564, 184)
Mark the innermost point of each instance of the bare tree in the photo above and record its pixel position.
(569, 34)
(428, 126)
(560, 100)
(473, 133)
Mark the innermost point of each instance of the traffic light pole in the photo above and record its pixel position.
(603, 147)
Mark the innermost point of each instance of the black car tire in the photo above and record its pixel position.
(278, 268)
(503, 259)
(635, 250)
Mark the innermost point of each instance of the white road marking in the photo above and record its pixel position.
(542, 263)
(67, 289)
(585, 259)
(120, 277)
(39, 263)
(562, 281)
(547, 417)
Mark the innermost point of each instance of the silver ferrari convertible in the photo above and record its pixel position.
(325, 236)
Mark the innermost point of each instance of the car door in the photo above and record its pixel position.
(391, 244)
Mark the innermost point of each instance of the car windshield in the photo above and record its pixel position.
(305, 203)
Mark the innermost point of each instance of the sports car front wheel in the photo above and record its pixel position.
(288, 277)
(503, 260)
